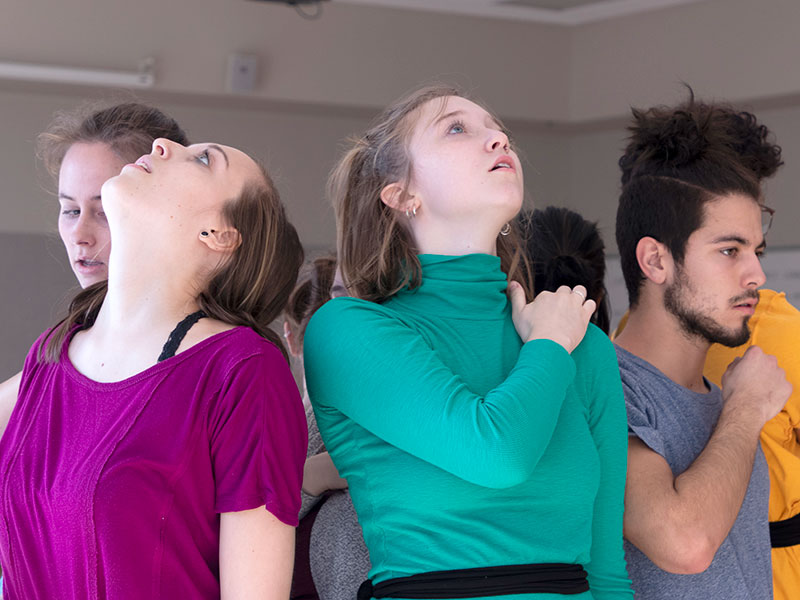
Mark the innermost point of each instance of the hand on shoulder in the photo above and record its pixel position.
(561, 316)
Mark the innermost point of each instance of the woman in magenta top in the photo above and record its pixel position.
(159, 419)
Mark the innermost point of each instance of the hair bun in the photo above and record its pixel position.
(671, 141)
(664, 142)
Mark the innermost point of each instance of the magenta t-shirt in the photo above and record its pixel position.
(113, 490)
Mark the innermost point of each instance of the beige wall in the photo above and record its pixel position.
(564, 91)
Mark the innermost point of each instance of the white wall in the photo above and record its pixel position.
(565, 91)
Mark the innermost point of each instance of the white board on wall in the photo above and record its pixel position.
(781, 266)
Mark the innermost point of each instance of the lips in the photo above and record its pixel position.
(748, 300)
(143, 162)
(89, 263)
(503, 163)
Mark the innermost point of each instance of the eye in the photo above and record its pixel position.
(203, 158)
(731, 252)
(760, 253)
(456, 127)
(71, 212)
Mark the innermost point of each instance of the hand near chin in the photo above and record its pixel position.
(754, 382)
(561, 316)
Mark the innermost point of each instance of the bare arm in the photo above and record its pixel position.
(256, 556)
(680, 522)
(320, 475)
(9, 390)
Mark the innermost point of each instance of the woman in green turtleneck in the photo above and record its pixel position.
(483, 437)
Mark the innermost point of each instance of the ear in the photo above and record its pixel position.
(291, 340)
(654, 259)
(221, 240)
(394, 196)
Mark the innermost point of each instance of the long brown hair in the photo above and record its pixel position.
(376, 250)
(250, 288)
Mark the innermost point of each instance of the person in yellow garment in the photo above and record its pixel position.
(775, 328)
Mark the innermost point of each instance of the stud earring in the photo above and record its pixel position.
(204, 233)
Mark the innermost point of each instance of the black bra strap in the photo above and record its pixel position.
(176, 337)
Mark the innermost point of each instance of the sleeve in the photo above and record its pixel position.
(364, 362)
(641, 420)
(257, 435)
(608, 577)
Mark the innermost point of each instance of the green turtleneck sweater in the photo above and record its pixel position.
(462, 446)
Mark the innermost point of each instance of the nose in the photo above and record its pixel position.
(754, 276)
(163, 147)
(82, 232)
(497, 139)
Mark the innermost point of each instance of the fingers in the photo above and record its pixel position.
(579, 290)
(517, 296)
(589, 307)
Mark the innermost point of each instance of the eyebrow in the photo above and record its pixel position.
(736, 239)
(459, 112)
(221, 151)
(66, 197)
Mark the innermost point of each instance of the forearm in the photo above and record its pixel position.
(711, 490)
(680, 522)
(494, 440)
(320, 475)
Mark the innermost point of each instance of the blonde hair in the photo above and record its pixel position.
(376, 251)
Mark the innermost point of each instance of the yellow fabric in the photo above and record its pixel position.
(775, 328)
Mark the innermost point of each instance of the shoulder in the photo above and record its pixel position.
(342, 320)
(595, 352)
(238, 355)
(346, 312)
(241, 343)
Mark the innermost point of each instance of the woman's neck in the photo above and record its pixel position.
(140, 298)
(453, 240)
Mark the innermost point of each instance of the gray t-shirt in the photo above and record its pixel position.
(677, 424)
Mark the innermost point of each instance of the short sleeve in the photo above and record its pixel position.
(257, 436)
(642, 421)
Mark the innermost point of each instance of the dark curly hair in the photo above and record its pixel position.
(678, 159)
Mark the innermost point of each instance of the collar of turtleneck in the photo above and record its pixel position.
(462, 287)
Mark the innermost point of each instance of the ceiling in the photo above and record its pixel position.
(559, 12)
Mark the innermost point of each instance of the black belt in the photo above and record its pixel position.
(785, 533)
(545, 578)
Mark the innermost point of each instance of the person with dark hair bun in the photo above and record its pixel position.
(81, 149)
(690, 231)
(566, 249)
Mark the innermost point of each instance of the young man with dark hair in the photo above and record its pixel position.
(690, 236)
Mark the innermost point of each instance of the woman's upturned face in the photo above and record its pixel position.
(81, 221)
(463, 167)
(180, 189)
